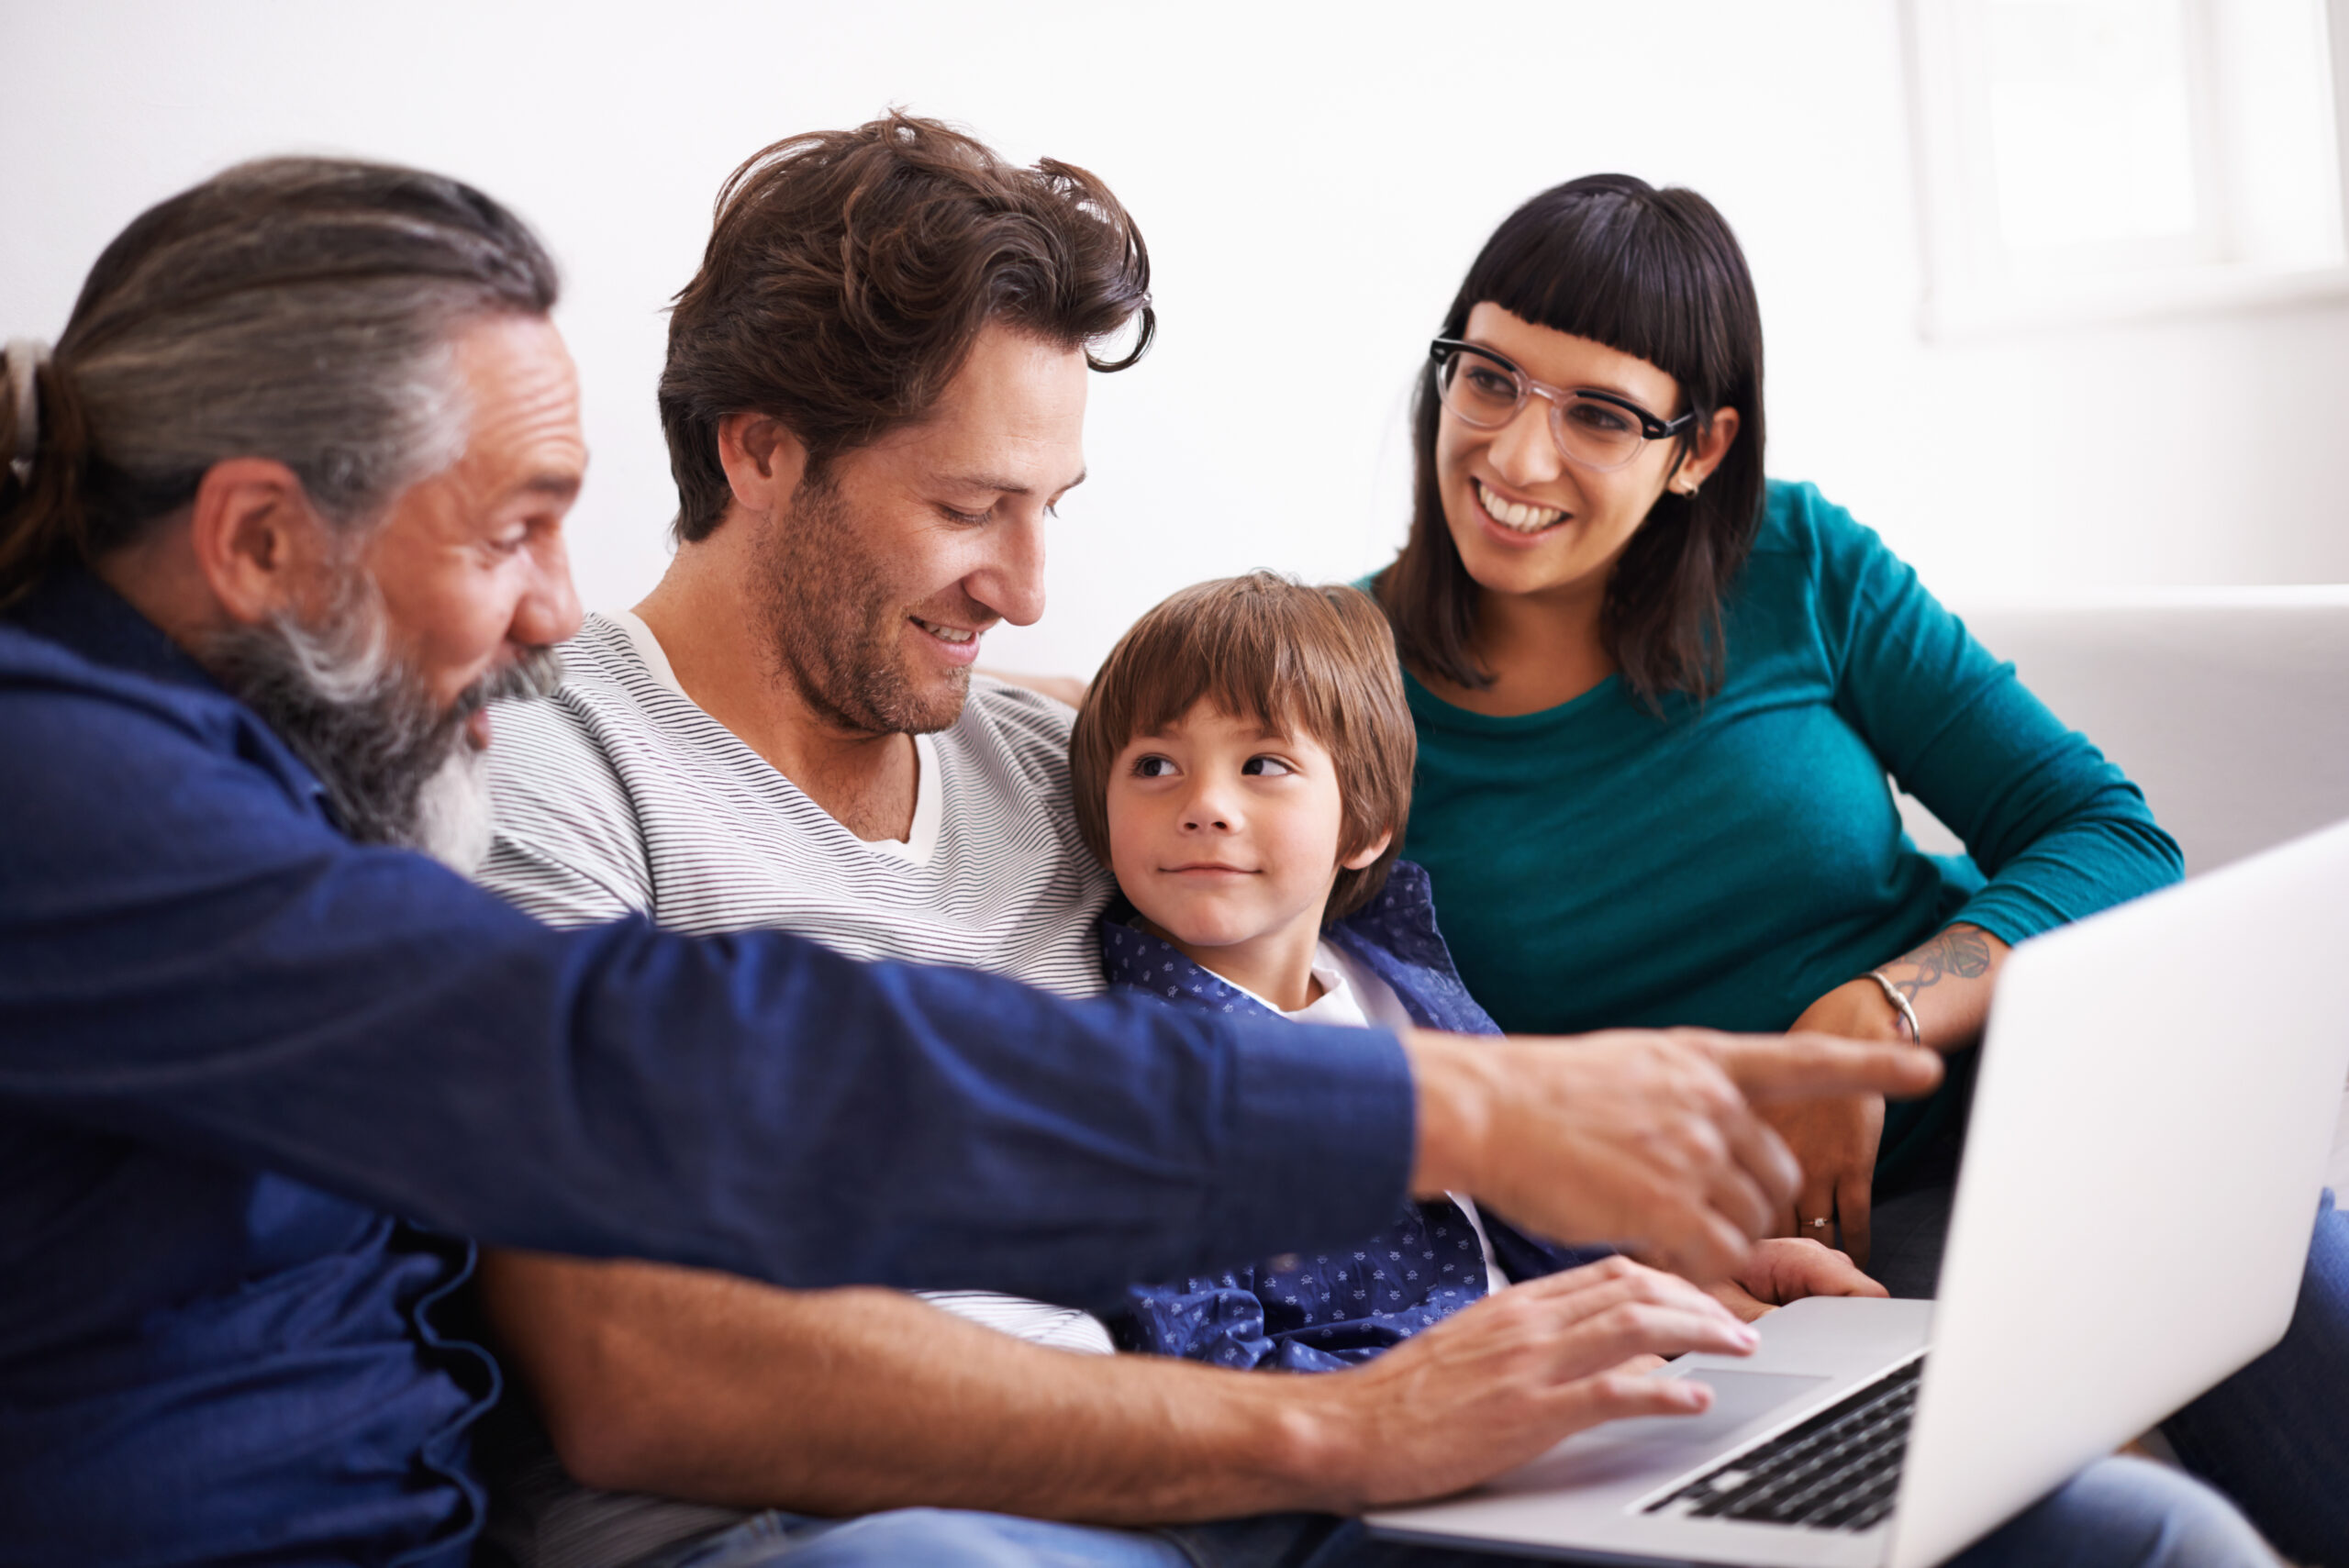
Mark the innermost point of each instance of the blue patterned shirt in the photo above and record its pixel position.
(1314, 1311)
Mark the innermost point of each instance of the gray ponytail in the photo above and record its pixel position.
(300, 309)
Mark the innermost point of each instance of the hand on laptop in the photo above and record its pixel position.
(1643, 1138)
(1785, 1268)
(1498, 1383)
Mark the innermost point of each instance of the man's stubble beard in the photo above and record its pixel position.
(397, 768)
(836, 631)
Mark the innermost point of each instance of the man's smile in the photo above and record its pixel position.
(955, 636)
(957, 645)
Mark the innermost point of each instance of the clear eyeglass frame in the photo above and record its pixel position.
(1593, 429)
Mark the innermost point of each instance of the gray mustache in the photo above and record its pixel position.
(537, 674)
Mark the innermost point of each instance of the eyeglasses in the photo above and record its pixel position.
(1595, 429)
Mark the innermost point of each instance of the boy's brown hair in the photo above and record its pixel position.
(1313, 662)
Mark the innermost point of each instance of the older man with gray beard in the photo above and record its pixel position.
(284, 507)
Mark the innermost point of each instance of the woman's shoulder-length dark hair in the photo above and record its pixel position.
(1655, 274)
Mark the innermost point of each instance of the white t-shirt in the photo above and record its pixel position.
(620, 795)
(1353, 996)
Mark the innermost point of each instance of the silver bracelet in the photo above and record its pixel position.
(1899, 1000)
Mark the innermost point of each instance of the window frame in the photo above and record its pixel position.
(1972, 282)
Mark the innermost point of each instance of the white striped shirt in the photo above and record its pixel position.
(620, 795)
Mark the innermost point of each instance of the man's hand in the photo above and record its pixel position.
(1499, 1382)
(1786, 1269)
(715, 1389)
(1644, 1140)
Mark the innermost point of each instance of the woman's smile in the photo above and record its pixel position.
(1518, 516)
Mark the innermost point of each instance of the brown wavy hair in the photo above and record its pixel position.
(1316, 661)
(1656, 274)
(849, 273)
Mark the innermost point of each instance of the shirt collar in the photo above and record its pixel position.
(1339, 1002)
(73, 608)
(1135, 958)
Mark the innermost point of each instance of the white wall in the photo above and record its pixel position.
(1311, 179)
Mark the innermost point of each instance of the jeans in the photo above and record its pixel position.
(2275, 1437)
(2117, 1511)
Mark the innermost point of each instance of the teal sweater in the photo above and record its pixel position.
(1729, 863)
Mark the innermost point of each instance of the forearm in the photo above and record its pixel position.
(366, 1022)
(2106, 850)
(709, 1388)
(1948, 980)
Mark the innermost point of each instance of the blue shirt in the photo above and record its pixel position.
(246, 1064)
(1311, 1311)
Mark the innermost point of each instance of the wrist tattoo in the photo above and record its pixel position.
(1962, 951)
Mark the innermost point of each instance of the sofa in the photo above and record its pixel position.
(2228, 706)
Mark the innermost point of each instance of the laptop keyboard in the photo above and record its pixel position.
(1839, 1469)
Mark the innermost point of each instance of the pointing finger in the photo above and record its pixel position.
(1798, 1066)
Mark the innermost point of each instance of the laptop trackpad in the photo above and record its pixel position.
(1664, 1444)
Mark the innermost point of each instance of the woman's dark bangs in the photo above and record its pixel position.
(1598, 265)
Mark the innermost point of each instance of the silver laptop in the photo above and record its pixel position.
(2158, 1092)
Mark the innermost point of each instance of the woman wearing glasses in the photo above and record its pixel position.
(1657, 699)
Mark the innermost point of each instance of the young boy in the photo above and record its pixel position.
(1243, 764)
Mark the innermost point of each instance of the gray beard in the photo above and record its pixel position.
(396, 770)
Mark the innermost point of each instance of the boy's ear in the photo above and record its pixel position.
(1361, 859)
